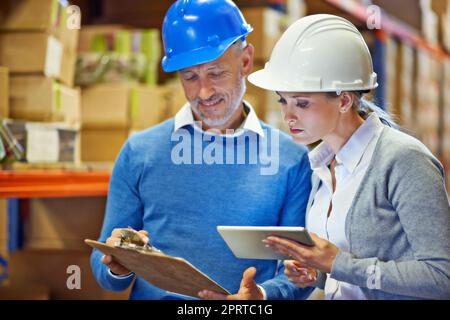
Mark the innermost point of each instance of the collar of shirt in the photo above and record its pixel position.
(185, 117)
(351, 153)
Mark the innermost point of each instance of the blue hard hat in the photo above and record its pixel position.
(200, 31)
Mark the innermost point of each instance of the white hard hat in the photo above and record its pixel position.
(318, 53)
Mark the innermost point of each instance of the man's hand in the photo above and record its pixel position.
(117, 268)
(248, 290)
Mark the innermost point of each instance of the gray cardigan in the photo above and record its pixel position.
(398, 225)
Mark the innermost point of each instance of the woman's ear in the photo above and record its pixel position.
(346, 102)
(247, 60)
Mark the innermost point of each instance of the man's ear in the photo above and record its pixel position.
(247, 60)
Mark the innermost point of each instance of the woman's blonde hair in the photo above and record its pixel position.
(365, 107)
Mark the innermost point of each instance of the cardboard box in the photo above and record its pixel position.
(33, 269)
(405, 95)
(142, 13)
(148, 105)
(405, 10)
(51, 16)
(102, 144)
(89, 34)
(445, 28)
(392, 75)
(4, 93)
(268, 26)
(38, 53)
(428, 110)
(176, 98)
(29, 14)
(123, 106)
(63, 223)
(430, 22)
(105, 106)
(28, 291)
(38, 98)
(46, 142)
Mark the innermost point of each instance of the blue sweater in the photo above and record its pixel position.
(181, 205)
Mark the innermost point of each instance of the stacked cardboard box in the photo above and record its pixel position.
(428, 112)
(405, 97)
(391, 67)
(35, 38)
(38, 98)
(38, 45)
(4, 93)
(268, 25)
(63, 223)
(54, 233)
(44, 142)
(45, 274)
(26, 291)
(441, 9)
(430, 22)
(175, 98)
(445, 27)
(111, 111)
(267, 107)
(118, 54)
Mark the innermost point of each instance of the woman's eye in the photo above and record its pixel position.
(282, 101)
(302, 104)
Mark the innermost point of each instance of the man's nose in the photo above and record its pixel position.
(206, 90)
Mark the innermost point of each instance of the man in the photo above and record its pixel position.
(214, 164)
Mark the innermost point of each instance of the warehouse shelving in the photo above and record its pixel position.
(390, 25)
(53, 183)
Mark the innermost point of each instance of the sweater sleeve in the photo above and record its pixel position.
(292, 214)
(416, 190)
(123, 209)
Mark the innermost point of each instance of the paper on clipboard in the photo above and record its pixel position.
(169, 273)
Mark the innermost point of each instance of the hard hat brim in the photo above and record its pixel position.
(266, 80)
(199, 56)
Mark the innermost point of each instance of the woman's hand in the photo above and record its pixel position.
(299, 275)
(321, 256)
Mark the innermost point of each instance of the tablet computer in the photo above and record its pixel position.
(246, 242)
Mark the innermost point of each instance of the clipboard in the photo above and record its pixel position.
(169, 273)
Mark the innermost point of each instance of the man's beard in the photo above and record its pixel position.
(236, 97)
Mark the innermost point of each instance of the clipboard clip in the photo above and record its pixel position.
(130, 239)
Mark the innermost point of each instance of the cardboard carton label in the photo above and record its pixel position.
(42, 144)
(53, 58)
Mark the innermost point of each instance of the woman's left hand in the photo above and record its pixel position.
(321, 256)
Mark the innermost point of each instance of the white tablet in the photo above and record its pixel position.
(246, 242)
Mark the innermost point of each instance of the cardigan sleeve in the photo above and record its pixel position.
(416, 190)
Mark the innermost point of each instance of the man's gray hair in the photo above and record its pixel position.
(239, 46)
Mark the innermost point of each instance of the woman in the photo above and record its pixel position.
(378, 212)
